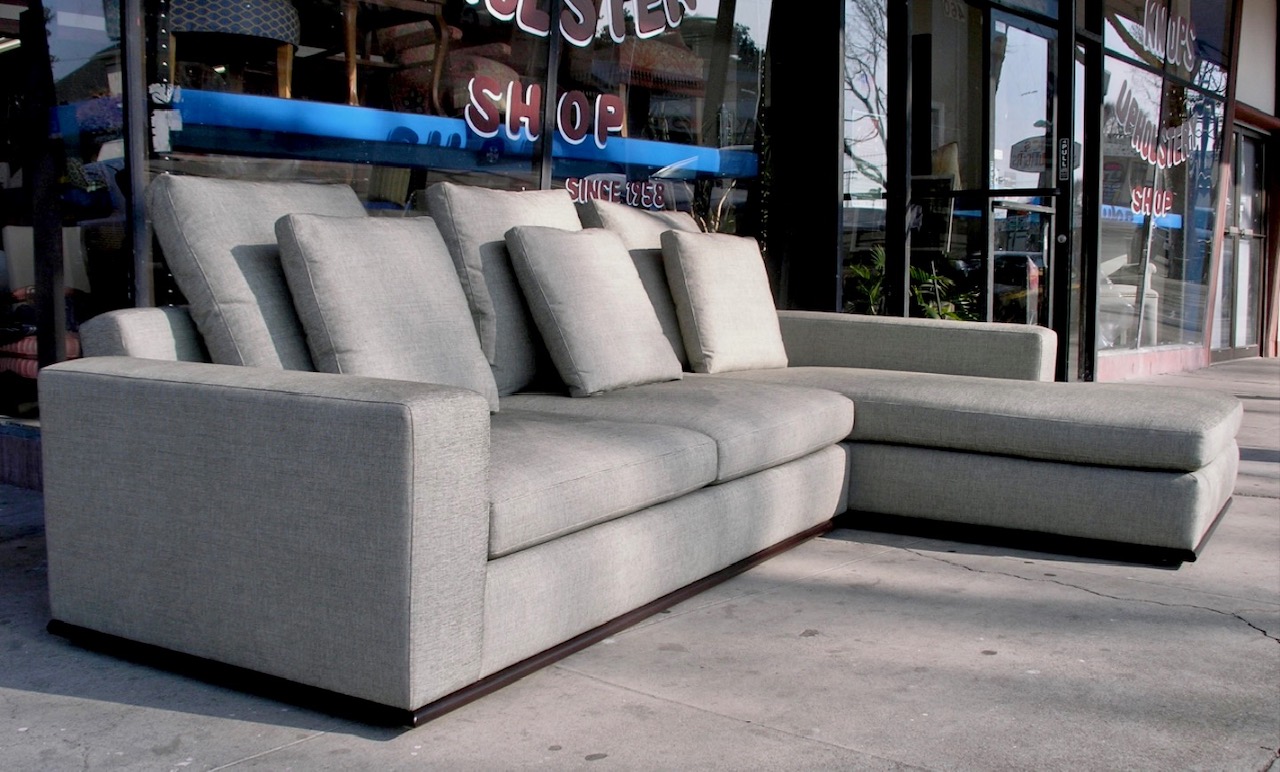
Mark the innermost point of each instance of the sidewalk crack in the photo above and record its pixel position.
(1046, 580)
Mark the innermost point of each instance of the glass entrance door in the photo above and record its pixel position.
(983, 199)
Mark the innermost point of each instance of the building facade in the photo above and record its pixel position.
(1101, 167)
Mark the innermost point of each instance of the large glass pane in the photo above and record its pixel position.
(1022, 108)
(948, 258)
(386, 95)
(1160, 152)
(1020, 278)
(866, 78)
(84, 198)
(1250, 186)
(1182, 238)
(954, 77)
(1248, 276)
(1224, 295)
(1188, 39)
(661, 111)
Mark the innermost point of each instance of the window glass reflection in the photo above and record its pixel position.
(1160, 151)
(662, 112)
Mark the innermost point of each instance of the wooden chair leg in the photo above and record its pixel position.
(173, 59)
(284, 70)
(349, 10)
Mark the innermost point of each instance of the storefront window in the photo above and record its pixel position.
(1187, 39)
(1160, 155)
(658, 109)
(79, 192)
(373, 93)
(655, 105)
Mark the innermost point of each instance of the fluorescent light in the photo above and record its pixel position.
(8, 44)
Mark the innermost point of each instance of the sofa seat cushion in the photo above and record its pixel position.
(1105, 424)
(551, 475)
(755, 425)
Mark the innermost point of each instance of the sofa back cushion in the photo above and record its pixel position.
(474, 222)
(591, 309)
(641, 231)
(218, 238)
(727, 314)
(378, 296)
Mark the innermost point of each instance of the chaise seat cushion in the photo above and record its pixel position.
(755, 426)
(551, 475)
(1103, 424)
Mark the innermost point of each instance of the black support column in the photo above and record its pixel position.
(806, 57)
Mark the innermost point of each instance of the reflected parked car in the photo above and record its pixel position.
(1018, 287)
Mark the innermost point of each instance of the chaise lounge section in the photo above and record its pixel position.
(526, 433)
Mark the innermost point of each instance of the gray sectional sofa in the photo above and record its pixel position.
(407, 460)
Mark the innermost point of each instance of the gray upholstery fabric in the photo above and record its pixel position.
(755, 425)
(474, 222)
(552, 475)
(167, 332)
(727, 316)
(547, 594)
(641, 231)
(218, 238)
(638, 228)
(377, 296)
(992, 349)
(591, 309)
(1151, 507)
(328, 529)
(1105, 424)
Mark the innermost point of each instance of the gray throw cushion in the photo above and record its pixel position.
(727, 315)
(591, 308)
(219, 241)
(474, 222)
(378, 297)
(641, 231)
(638, 228)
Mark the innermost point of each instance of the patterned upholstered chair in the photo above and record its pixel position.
(272, 20)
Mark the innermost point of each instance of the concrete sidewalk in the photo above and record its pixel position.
(856, 651)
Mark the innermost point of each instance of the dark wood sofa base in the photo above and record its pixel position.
(1033, 541)
(366, 712)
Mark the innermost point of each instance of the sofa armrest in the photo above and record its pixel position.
(992, 349)
(328, 529)
(151, 333)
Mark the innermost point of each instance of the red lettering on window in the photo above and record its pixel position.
(524, 110)
(481, 112)
(574, 111)
(609, 114)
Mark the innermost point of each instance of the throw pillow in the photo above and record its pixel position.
(721, 290)
(587, 301)
(641, 231)
(378, 297)
(474, 222)
(219, 241)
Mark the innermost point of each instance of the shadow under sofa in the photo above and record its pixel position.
(408, 545)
